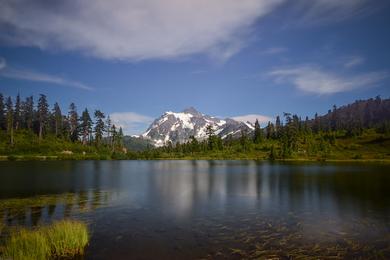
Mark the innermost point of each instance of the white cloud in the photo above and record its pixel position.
(133, 29)
(131, 122)
(274, 50)
(309, 12)
(312, 79)
(39, 77)
(353, 61)
(252, 118)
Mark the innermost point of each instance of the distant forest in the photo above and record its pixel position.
(359, 130)
(27, 127)
(356, 131)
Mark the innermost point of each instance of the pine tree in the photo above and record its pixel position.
(270, 130)
(73, 120)
(58, 120)
(17, 113)
(28, 112)
(86, 126)
(211, 137)
(99, 127)
(43, 114)
(120, 137)
(108, 130)
(114, 136)
(258, 133)
(2, 113)
(278, 127)
(10, 119)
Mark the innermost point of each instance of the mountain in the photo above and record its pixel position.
(373, 112)
(179, 127)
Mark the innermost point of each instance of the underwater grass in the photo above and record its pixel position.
(65, 238)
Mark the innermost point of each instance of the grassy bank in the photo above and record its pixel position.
(66, 238)
(337, 146)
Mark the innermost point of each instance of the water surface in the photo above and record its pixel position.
(208, 209)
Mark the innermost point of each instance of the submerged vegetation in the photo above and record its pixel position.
(66, 238)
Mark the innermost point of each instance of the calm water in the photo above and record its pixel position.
(209, 209)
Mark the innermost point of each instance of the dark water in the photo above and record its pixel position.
(209, 209)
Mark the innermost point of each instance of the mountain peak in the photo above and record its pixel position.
(180, 127)
(191, 110)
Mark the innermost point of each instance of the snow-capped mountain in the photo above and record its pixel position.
(179, 127)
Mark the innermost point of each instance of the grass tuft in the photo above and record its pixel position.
(26, 244)
(66, 238)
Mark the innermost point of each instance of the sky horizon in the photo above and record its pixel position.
(137, 59)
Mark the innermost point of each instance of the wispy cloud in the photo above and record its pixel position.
(252, 118)
(318, 12)
(131, 122)
(274, 50)
(133, 30)
(313, 79)
(28, 75)
(353, 61)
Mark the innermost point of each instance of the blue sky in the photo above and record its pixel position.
(136, 59)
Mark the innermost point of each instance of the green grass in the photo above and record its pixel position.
(26, 244)
(66, 238)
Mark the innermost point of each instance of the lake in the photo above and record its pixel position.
(208, 209)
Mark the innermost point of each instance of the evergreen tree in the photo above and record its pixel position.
(73, 120)
(270, 130)
(120, 137)
(2, 113)
(258, 133)
(17, 113)
(194, 144)
(10, 119)
(86, 126)
(58, 120)
(108, 130)
(28, 112)
(43, 114)
(210, 136)
(278, 127)
(114, 136)
(99, 127)
(244, 141)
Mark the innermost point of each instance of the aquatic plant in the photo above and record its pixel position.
(65, 238)
(26, 244)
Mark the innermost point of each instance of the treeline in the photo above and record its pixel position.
(22, 119)
(292, 136)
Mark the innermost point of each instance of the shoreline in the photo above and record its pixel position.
(10, 158)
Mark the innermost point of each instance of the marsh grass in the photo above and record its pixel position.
(26, 244)
(65, 238)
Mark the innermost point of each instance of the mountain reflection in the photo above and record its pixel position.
(186, 188)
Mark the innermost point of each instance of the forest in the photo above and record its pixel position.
(38, 130)
(358, 131)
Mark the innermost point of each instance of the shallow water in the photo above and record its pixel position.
(207, 209)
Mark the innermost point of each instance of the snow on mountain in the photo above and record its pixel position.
(179, 127)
